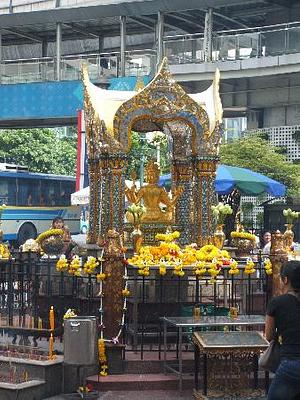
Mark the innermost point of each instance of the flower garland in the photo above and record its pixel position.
(69, 314)
(90, 265)
(249, 269)
(102, 357)
(50, 232)
(268, 266)
(167, 237)
(234, 268)
(208, 258)
(62, 264)
(75, 266)
(242, 235)
(4, 251)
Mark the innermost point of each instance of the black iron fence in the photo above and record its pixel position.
(30, 285)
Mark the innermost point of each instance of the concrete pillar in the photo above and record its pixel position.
(123, 44)
(1, 48)
(1, 55)
(100, 44)
(44, 48)
(160, 36)
(208, 35)
(58, 50)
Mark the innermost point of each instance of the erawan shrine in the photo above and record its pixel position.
(161, 295)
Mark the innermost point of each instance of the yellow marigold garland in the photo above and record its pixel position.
(50, 232)
(101, 277)
(207, 253)
(102, 358)
(268, 266)
(242, 235)
(167, 237)
(4, 251)
(249, 269)
(74, 266)
(90, 265)
(62, 264)
(125, 292)
(207, 259)
(234, 268)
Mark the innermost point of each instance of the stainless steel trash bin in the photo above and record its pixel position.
(80, 341)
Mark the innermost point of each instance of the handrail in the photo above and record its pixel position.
(79, 56)
(257, 29)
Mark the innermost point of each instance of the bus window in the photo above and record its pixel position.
(3, 192)
(28, 192)
(12, 193)
(66, 188)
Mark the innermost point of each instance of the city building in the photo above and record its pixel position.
(255, 46)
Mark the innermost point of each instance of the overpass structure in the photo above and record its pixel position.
(43, 43)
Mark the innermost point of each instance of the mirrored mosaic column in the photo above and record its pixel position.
(182, 176)
(93, 202)
(117, 192)
(204, 196)
(103, 191)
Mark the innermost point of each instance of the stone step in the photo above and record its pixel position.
(152, 366)
(33, 389)
(125, 382)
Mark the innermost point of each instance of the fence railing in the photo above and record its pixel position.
(181, 49)
(100, 66)
(30, 285)
(235, 45)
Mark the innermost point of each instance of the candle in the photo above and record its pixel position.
(51, 318)
(40, 324)
(51, 347)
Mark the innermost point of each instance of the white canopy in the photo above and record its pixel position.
(82, 197)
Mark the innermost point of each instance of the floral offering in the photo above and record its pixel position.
(221, 211)
(290, 215)
(4, 251)
(137, 212)
(207, 259)
(242, 235)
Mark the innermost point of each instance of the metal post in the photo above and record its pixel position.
(160, 36)
(123, 44)
(44, 48)
(208, 35)
(58, 50)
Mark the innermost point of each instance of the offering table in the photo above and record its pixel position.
(229, 363)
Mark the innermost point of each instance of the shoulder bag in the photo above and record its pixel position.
(270, 358)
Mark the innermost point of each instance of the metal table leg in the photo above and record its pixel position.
(180, 358)
(196, 361)
(205, 374)
(165, 346)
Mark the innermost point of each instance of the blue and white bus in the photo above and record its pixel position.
(32, 201)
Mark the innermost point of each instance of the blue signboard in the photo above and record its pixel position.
(129, 82)
(41, 100)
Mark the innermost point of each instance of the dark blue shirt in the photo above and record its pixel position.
(286, 311)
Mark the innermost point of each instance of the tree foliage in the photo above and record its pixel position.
(39, 149)
(256, 153)
(147, 150)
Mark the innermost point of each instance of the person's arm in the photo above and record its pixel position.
(270, 330)
(67, 234)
